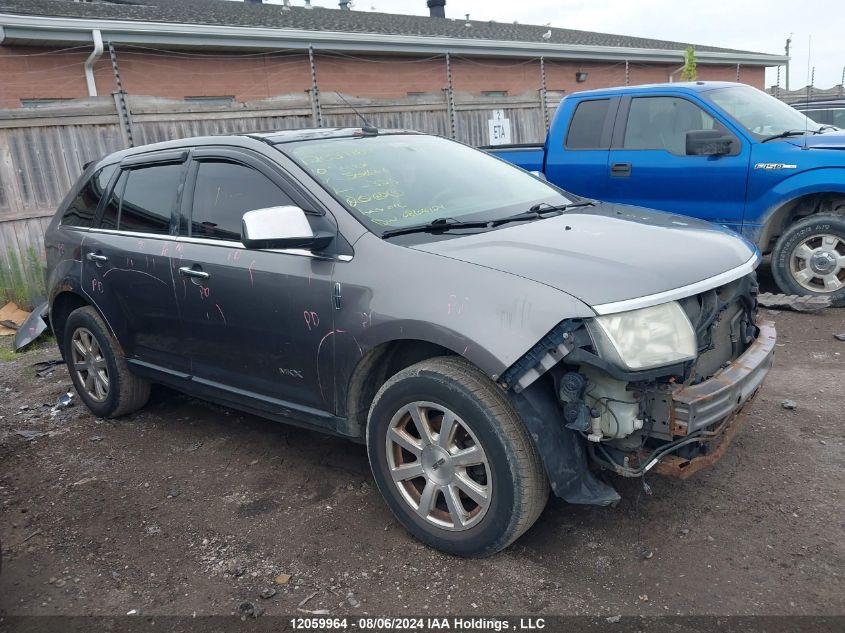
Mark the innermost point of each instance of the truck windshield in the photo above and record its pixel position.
(398, 180)
(759, 113)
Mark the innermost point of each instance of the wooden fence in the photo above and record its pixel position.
(43, 149)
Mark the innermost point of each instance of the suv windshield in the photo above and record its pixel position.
(394, 181)
(759, 113)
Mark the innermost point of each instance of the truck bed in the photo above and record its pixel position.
(529, 156)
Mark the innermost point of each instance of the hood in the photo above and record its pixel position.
(826, 140)
(605, 254)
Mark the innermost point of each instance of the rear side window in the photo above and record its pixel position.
(224, 192)
(149, 197)
(585, 131)
(82, 209)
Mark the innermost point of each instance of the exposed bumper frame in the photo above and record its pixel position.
(722, 397)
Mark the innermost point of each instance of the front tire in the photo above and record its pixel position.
(99, 372)
(453, 460)
(809, 258)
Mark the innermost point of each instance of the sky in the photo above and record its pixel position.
(755, 25)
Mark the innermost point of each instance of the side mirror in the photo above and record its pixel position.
(709, 143)
(281, 227)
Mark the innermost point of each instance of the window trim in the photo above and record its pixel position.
(606, 136)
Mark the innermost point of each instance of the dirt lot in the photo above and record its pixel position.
(190, 508)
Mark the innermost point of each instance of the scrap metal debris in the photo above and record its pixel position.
(46, 367)
(788, 404)
(32, 327)
(62, 402)
(799, 303)
(839, 337)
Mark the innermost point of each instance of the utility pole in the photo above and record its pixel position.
(788, 43)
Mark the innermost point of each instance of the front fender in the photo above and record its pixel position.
(763, 211)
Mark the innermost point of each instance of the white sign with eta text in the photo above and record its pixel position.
(499, 128)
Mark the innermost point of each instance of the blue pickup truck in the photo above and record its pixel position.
(724, 152)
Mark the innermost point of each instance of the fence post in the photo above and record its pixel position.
(627, 73)
(543, 96)
(314, 93)
(124, 114)
(450, 97)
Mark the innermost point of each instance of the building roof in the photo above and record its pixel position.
(319, 21)
(227, 13)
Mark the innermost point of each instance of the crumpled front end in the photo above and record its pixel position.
(674, 418)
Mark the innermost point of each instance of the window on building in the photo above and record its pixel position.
(585, 130)
(35, 103)
(494, 93)
(149, 198)
(663, 123)
(212, 99)
(224, 192)
(81, 210)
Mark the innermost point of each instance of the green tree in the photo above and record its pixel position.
(689, 73)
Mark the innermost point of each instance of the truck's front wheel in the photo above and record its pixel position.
(809, 258)
(452, 459)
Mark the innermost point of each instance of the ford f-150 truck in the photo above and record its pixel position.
(723, 152)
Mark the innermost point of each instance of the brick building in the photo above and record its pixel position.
(223, 51)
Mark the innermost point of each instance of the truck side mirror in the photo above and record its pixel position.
(281, 227)
(709, 143)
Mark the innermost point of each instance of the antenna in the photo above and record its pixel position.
(368, 128)
(809, 83)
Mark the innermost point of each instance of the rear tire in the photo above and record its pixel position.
(470, 490)
(99, 372)
(809, 258)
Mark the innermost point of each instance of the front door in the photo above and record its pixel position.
(256, 321)
(648, 165)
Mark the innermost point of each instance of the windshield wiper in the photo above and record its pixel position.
(539, 211)
(827, 127)
(788, 133)
(543, 207)
(440, 224)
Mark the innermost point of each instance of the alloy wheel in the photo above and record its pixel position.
(818, 263)
(439, 466)
(89, 364)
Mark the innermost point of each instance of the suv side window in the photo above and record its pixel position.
(83, 208)
(224, 191)
(663, 123)
(585, 130)
(149, 198)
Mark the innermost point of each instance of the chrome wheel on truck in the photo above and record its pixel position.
(809, 258)
(818, 263)
(452, 459)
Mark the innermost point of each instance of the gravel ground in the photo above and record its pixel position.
(190, 508)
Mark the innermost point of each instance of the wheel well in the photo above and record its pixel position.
(797, 209)
(63, 305)
(374, 369)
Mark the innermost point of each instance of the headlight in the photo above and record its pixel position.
(645, 338)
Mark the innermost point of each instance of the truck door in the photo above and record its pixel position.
(576, 158)
(648, 165)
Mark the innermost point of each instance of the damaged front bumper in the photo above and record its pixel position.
(700, 419)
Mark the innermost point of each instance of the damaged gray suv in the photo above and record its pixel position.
(487, 335)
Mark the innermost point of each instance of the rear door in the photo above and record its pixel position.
(648, 165)
(256, 321)
(576, 158)
(126, 259)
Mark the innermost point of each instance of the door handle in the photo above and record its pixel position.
(96, 257)
(193, 272)
(620, 169)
